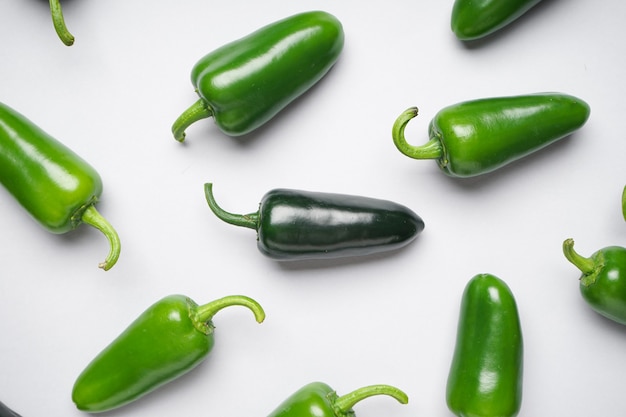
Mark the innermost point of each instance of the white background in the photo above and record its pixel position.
(391, 319)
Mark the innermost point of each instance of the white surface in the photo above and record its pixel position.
(113, 96)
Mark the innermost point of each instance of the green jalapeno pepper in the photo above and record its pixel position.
(295, 225)
(480, 136)
(474, 19)
(56, 186)
(6, 411)
(170, 338)
(243, 84)
(485, 377)
(319, 400)
(59, 23)
(603, 279)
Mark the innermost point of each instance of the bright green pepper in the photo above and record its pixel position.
(474, 19)
(56, 186)
(7, 412)
(480, 136)
(243, 84)
(319, 400)
(485, 377)
(603, 279)
(295, 225)
(59, 23)
(170, 338)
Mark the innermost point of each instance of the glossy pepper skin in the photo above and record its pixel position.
(59, 23)
(479, 136)
(319, 400)
(57, 187)
(167, 340)
(475, 19)
(603, 280)
(296, 225)
(243, 84)
(485, 378)
(7, 412)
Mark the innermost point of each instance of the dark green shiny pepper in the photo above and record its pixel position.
(169, 339)
(57, 187)
(295, 225)
(243, 84)
(319, 400)
(603, 280)
(7, 412)
(479, 136)
(485, 378)
(59, 23)
(474, 19)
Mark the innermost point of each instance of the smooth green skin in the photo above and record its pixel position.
(169, 339)
(247, 82)
(59, 23)
(479, 136)
(475, 19)
(485, 378)
(56, 186)
(297, 225)
(603, 279)
(7, 412)
(319, 400)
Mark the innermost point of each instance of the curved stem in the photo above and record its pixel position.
(586, 265)
(431, 150)
(59, 23)
(624, 203)
(198, 111)
(205, 313)
(346, 402)
(95, 219)
(244, 220)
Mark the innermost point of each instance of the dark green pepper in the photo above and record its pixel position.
(480, 136)
(6, 411)
(56, 186)
(169, 339)
(603, 279)
(485, 377)
(474, 19)
(294, 225)
(59, 23)
(319, 400)
(243, 84)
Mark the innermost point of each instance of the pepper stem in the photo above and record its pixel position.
(198, 111)
(431, 150)
(346, 402)
(59, 23)
(95, 219)
(244, 220)
(205, 313)
(586, 265)
(624, 203)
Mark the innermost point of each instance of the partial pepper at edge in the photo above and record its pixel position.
(317, 399)
(485, 376)
(603, 279)
(6, 411)
(479, 136)
(57, 187)
(167, 340)
(475, 19)
(245, 83)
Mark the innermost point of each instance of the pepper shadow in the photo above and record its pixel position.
(508, 30)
